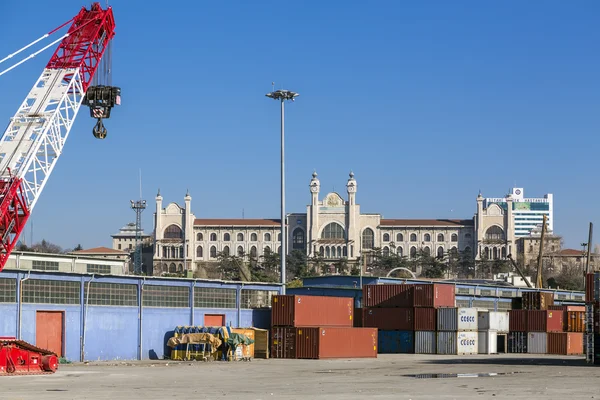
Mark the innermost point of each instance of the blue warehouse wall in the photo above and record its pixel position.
(111, 333)
(8, 320)
(157, 327)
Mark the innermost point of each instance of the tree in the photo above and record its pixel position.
(297, 265)
(78, 248)
(570, 278)
(47, 247)
(341, 266)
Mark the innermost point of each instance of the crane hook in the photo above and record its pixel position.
(99, 130)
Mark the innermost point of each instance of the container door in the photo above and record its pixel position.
(49, 331)
(214, 319)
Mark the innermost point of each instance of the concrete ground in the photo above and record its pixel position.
(387, 377)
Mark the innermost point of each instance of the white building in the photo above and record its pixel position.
(125, 239)
(527, 213)
(333, 227)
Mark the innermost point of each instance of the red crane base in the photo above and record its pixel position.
(18, 357)
(14, 213)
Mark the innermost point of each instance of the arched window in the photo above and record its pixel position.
(440, 237)
(226, 237)
(495, 253)
(468, 250)
(413, 252)
(413, 237)
(199, 252)
(333, 231)
(267, 250)
(427, 251)
(486, 253)
(454, 250)
(172, 268)
(386, 237)
(504, 252)
(267, 237)
(240, 237)
(440, 252)
(240, 251)
(173, 232)
(253, 237)
(253, 252)
(427, 237)
(494, 233)
(399, 251)
(399, 237)
(180, 268)
(327, 252)
(386, 251)
(345, 251)
(298, 241)
(226, 250)
(368, 239)
(279, 237)
(213, 237)
(321, 251)
(454, 237)
(213, 252)
(199, 237)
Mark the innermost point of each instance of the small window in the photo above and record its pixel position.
(240, 237)
(440, 237)
(226, 250)
(386, 237)
(427, 237)
(199, 252)
(213, 237)
(240, 251)
(413, 237)
(213, 252)
(227, 237)
(399, 237)
(199, 237)
(253, 237)
(454, 237)
(267, 237)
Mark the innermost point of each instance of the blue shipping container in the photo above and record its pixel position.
(396, 342)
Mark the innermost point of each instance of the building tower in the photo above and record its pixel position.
(313, 217)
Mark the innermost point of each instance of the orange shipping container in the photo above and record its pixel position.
(565, 343)
(295, 310)
(575, 321)
(336, 342)
(567, 308)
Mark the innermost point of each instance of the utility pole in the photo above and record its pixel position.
(589, 249)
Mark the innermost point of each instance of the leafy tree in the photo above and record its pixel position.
(78, 248)
(297, 265)
(294, 283)
(46, 247)
(570, 277)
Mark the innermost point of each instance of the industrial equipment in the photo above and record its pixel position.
(35, 139)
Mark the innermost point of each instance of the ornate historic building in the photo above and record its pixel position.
(333, 227)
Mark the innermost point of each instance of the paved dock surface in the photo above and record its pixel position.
(394, 376)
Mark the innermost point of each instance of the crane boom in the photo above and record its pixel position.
(36, 134)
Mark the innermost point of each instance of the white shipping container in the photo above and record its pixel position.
(493, 321)
(487, 342)
(457, 319)
(425, 342)
(457, 343)
(537, 342)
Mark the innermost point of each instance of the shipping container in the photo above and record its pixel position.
(296, 310)
(544, 321)
(396, 342)
(567, 308)
(517, 320)
(261, 343)
(537, 342)
(457, 319)
(336, 342)
(458, 343)
(247, 350)
(517, 342)
(389, 295)
(425, 342)
(589, 288)
(283, 342)
(565, 343)
(409, 295)
(502, 342)
(574, 321)
(409, 319)
(516, 303)
(358, 317)
(537, 300)
(487, 342)
(493, 320)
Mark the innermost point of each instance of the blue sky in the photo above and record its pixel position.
(426, 101)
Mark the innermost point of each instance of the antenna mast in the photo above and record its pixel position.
(138, 207)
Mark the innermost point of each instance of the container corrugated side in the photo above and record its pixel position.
(537, 342)
(487, 342)
(358, 317)
(517, 342)
(565, 343)
(434, 295)
(457, 343)
(589, 287)
(387, 295)
(425, 319)
(425, 342)
(457, 319)
(493, 320)
(517, 320)
(537, 300)
(574, 321)
(544, 321)
(300, 310)
(389, 318)
(396, 342)
(336, 342)
(283, 342)
(567, 308)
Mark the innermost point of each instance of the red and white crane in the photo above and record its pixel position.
(36, 135)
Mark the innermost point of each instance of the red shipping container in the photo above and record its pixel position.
(589, 287)
(296, 310)
(567, 308)
(336, 342)
(565, 343)
(544, 321)
(401, 319)
(358, 318)
(283, 342)
(434, 295)
(389, 295)
(517, 320)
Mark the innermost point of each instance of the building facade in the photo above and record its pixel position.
(332, 226)
(125, 239)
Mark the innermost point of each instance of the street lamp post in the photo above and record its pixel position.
(282, 96)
